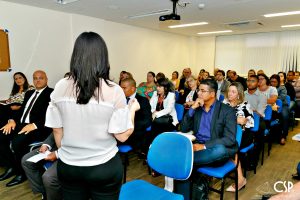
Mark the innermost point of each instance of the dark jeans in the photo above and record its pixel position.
(215, 155)
(100, 182)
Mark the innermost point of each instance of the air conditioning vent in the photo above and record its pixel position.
(250, 24)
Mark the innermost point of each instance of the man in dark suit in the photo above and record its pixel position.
(214, 125)
(143, 117)
(42, 182)
(24, 129)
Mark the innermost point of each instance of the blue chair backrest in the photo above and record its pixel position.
(279, 103)
(221, 97)
(288, 100)
(239, 133)
(171, 154)
(268, 113)
(179, 110)
(256, 122)
(176, 96)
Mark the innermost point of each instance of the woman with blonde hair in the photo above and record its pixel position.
(235, 98)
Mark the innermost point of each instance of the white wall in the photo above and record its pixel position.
(43, 39)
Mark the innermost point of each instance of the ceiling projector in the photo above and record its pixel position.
(169, 17)
(172, 16)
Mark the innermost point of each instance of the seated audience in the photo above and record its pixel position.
(258, 103)
(214, 125)
(175, 79)
(235, 98)
(146, 89)
(287, 81)
(185, 74)
(259, 72)
(251, 72)
(206, 75)
(87, 113)
(190, 95)
(236, 78)
(200, 75)
(163, 110)
(159, 75)
(222, 83)
(277, 82)
(16, 97)
(41, 181)
(143, 117)
(23, 129)
(269, 91)
(296, 85)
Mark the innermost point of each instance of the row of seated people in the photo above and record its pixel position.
(162, 104)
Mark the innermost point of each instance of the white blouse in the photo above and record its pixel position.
(88, 129)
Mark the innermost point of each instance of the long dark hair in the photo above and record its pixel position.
(16, 88)
(168, 86)
(89, 64)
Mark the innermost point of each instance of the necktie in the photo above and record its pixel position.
(29, 107)
(127, 99)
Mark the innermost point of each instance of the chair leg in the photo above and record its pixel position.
(262, 153)
(222, 188)
(236, 185)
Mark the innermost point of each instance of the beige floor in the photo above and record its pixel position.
(278, 167)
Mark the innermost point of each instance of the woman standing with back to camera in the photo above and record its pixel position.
(88, 112)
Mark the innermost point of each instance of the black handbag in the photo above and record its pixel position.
(165, 119)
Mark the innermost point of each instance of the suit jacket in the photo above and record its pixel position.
(37, 115)
(223, 126)
(143, 117)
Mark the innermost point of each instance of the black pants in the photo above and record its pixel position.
(11, 158)
(100, 182)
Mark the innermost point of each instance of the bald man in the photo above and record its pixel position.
(24, 129)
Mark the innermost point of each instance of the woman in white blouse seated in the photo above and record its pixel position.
(88, 112)
(163, 109)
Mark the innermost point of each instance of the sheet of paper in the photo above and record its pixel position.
(296, 137)
(188, 135)
(38, 157)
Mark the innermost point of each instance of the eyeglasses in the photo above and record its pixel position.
(260, 79)
(251, 81)
(203, 91)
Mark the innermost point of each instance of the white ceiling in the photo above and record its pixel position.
(215, 12)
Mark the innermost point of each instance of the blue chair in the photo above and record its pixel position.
(221, 97)
(180, 111)
(170, 154)
(223, 171)
(266, 136)
(245, 150)
(124, 149)
(35, 145)
(279, 104)
(176, 96)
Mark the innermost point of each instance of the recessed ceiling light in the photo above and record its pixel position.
(65, 1)
(188, 25)
(290, 26)
(282, 14)
(215, 32)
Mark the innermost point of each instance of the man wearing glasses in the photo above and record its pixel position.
(214, 125)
